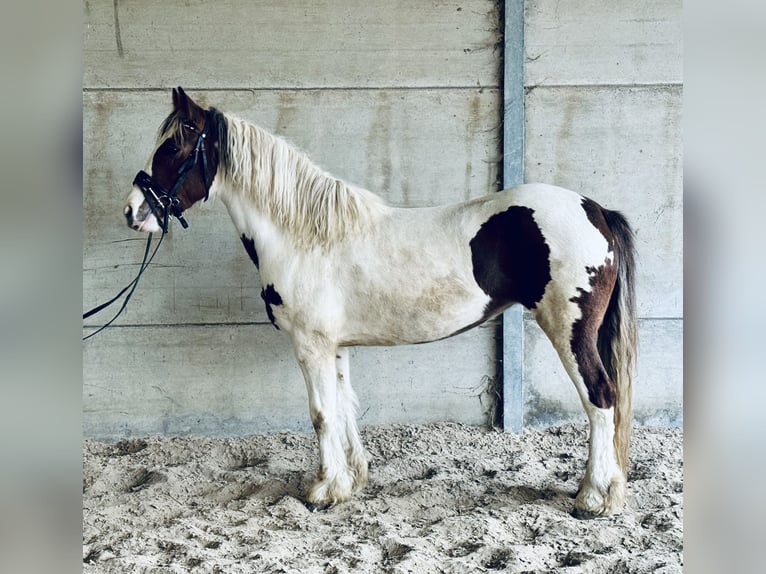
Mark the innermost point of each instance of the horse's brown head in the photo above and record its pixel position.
(182, 168)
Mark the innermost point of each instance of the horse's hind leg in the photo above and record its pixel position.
(573, 329)
(356, 456)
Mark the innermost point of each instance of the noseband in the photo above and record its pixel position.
(163, 202)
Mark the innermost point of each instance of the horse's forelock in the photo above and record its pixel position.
(171, 127)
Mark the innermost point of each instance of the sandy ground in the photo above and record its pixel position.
(441, 498)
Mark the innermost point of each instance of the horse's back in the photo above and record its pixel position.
(572, 224)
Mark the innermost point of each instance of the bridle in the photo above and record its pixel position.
(163, 202)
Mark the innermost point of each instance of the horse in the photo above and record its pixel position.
(339, 267)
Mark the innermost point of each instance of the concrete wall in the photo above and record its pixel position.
(603, 116)
(402, 98)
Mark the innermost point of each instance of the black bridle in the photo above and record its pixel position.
(162, 201)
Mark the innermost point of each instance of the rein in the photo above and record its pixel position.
(163, 204)
(130, 287)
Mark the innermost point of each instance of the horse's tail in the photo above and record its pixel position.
(618, 335)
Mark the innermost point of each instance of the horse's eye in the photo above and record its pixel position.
(170, 147)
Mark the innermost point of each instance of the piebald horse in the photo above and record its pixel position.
(339, 267)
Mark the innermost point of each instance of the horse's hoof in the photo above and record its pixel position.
(582, 514)
(316, 507)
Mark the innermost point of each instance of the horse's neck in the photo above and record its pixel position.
(247, 217)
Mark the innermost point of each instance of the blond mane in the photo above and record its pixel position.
(283, 183)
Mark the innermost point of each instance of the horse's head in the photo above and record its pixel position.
(181, 170)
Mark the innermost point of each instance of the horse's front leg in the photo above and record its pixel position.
(334, 482)
(348, 405)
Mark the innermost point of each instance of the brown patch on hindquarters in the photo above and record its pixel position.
(511, 260)
(593, 305)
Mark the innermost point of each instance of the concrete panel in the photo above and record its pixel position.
(622, 147)
(237, 380)
(272, 43)
(594, 42)
(424, 148)
(550, 396)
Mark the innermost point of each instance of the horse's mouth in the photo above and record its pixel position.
(138, 214)
(147, 226)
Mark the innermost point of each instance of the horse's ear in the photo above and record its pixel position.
(181, 102)
(188, 107)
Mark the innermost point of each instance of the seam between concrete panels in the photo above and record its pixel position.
(173, 325)
(474, 87)
(638, 86)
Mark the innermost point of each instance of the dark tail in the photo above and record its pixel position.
(618, 335)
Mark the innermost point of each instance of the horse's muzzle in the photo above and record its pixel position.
(138, 214)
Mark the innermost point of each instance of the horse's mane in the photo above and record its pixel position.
(312, 206)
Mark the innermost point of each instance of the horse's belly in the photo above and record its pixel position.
(440, 309)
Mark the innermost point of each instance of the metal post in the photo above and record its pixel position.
(513, 174)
